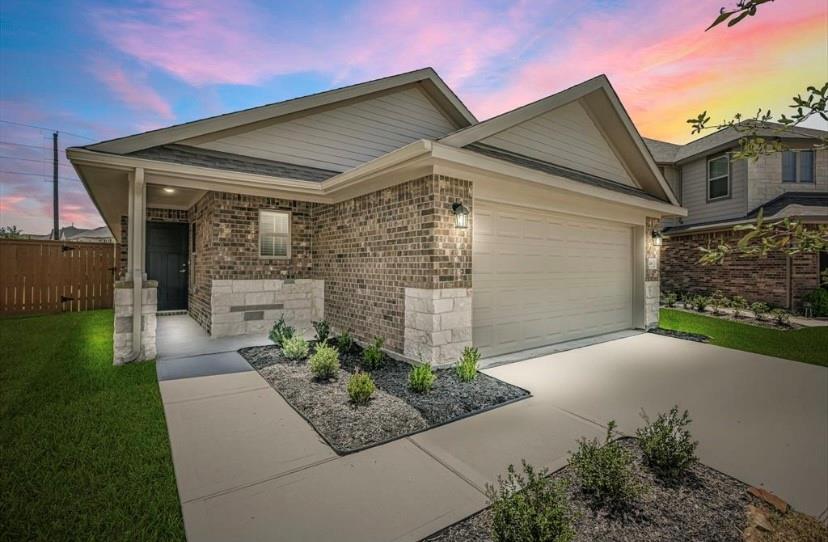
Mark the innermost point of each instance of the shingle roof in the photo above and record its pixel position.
(662, 151)
(192, 156)
(808, 199)
(723, 138)
(561, 171)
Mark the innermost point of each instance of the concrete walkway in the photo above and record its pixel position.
(249, 468)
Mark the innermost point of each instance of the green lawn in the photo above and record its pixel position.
(84, 453)
(809, 345)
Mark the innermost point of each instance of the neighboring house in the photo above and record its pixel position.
(350, 205)
(79, 235)
(720, 192)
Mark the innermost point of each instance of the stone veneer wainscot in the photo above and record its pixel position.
(122, 336)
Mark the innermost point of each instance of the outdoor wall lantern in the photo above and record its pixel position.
(656, 238)
(461, 215)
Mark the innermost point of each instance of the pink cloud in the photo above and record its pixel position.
(132, 90)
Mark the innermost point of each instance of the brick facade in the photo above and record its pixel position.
(370, 248)
(778, 280)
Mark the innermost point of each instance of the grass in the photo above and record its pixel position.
(808, 345)
(84, 453)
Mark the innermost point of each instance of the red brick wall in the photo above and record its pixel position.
(757, 279)
(369, 249)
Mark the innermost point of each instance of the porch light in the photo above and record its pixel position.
(169, 190)
(461, 215)
(656, 238)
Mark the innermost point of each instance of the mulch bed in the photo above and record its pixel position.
(767, 322)
(707, 505)
(393, 412)
(695, 337)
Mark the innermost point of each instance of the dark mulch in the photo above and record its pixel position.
(393, 412)
(695, 337)
(706, 506)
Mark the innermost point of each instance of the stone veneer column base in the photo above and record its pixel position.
(438, 324)
(122, 337)
(241, 306)
(651, 300)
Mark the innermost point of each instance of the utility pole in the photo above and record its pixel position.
(55, 185)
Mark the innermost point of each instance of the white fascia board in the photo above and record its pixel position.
(493, 165)
(197, 128)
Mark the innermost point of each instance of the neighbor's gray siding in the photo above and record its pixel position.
(766, 177)
(694, 193)
(344, 137)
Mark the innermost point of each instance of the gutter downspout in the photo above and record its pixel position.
(135, 256)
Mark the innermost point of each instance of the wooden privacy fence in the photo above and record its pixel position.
(39, 277)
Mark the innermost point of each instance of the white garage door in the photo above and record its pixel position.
(540, 278)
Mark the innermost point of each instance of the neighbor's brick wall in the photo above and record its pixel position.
(756, 279)
(370, 248)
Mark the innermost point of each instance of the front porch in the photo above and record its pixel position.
(180, 336)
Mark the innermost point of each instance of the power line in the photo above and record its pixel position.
(47, 129)
(33, 160)
(39, 147)
(37, 175)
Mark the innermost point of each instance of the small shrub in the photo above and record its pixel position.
(781, 317)
(281, 331)
(467, 366)
(529, 507)
(421, 378)
(324, 363)
(372, 356)
(717, 301)
(738, 304)
(604, 472)
(699, 302)
(360, 388)
(759, 309)
(322, 329)
(295, 348)
(344, 342)
(669, 299)
(818, 300)
(666, 443)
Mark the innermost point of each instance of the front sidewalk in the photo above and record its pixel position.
(249, 468)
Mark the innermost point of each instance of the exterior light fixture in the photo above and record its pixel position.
(169, 190)
(461, 215)
(656, 238)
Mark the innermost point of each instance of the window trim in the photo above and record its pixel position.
(729, 177)
(288, 235)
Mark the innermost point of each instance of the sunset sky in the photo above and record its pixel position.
(98, 70)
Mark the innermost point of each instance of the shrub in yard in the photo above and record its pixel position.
(669, 299)
(281, 331)
(699, 302)
(781, 317)
(759, 309)
(604, 472)
(818, 300)
(295, 348)
(421, 378)
(717, 301)
(344, 342)
(529, 507)
(372, 356)
(360, 388)
(323, 330)
(324, 363)
(467, 366)
(666, 443)
(738, 304)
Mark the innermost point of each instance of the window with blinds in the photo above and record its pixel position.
(274, 234)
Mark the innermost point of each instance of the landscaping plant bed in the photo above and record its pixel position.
(706, 505)
(767, 322)
(695, 337)
(394, 411)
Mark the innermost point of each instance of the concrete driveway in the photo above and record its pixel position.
(249, 468)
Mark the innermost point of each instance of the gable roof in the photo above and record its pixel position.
(725, 138)
(598, 97)
(431, 83)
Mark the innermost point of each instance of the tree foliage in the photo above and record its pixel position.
(10, 232)
(744, 8)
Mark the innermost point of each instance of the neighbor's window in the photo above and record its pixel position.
(274, 234)
(798, 166)
(718, 177)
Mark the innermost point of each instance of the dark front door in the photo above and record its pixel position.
(167, 263)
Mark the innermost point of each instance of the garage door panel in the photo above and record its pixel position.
(541, 278)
